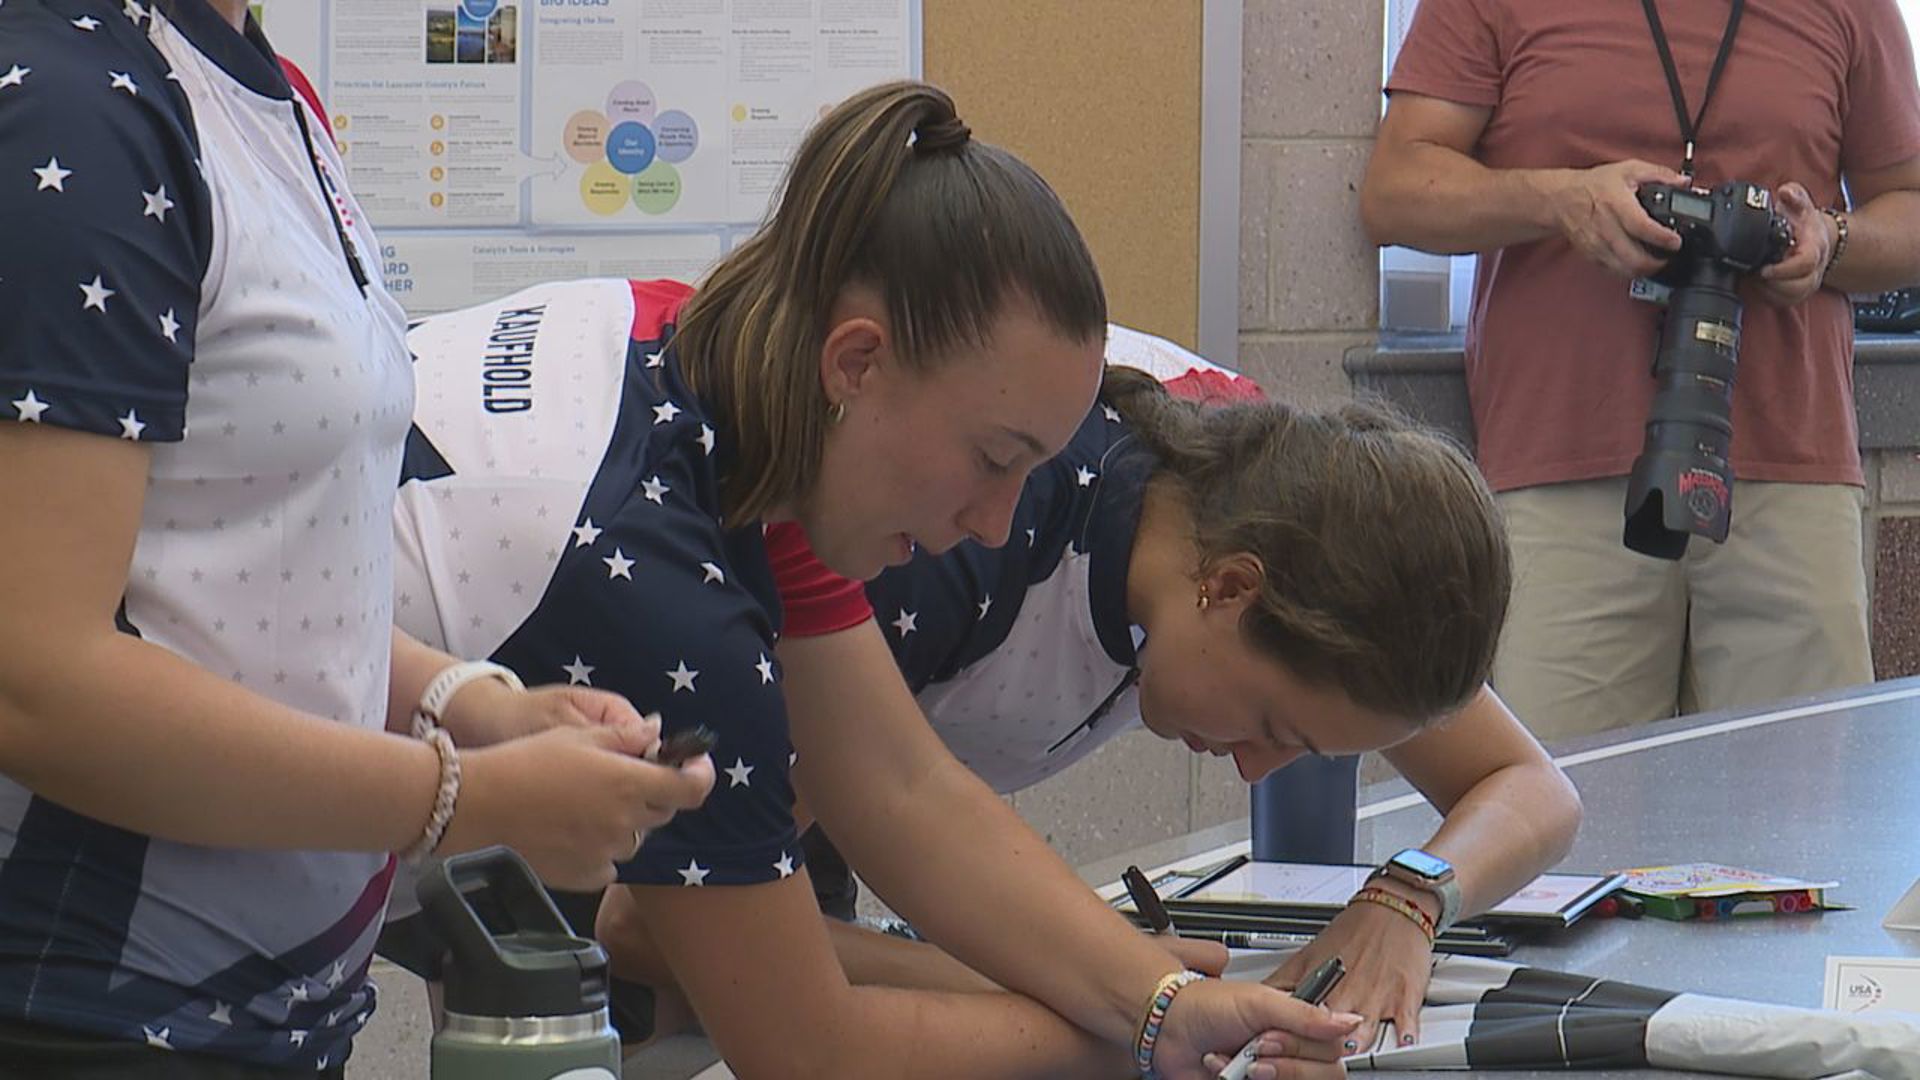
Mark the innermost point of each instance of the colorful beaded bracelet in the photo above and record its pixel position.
(1163, 995)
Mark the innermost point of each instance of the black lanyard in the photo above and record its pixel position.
(326, 196)
(1100, 711)
(1690, 126)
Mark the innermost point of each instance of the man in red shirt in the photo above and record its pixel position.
(1521, 131)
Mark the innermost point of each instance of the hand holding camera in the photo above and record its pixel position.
(1598, 211)
(1800, 274)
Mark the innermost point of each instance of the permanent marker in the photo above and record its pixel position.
(1313, 990)
(1147, 902)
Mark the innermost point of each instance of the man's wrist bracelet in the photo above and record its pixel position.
(1840, 230)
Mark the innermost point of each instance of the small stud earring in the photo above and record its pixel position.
(836, 412)
(1204, 598)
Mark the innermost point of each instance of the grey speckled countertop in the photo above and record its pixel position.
(1821, 788)
(1422, 373)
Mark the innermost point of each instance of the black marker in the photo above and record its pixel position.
(1313, 990)
(1146, 901)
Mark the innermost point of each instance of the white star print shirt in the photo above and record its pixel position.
(559, 513)
(171, 272)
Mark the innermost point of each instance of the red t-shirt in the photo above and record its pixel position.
(1558, 357)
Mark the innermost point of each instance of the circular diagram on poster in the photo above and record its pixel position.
(603, 190)
(631, 100)
(676, 136)
(585, 138)
(658, 189)
(633, 151)
(630, 147)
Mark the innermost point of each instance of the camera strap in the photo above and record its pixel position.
(1690, 125)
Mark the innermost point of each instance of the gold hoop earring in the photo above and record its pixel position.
(836, 412)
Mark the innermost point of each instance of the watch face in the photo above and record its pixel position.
(1423, 864)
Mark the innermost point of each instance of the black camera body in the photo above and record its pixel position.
(1734, 225)
(1682, 483)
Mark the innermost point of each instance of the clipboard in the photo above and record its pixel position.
(1319, 891)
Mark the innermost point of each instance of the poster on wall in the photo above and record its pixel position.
(495, 143)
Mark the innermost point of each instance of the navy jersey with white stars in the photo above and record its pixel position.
(1022, 657)
(172, 271)
(560, 514)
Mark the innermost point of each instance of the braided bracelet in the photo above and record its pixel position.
(1394, 901)
(444, 796)
(1163, 995)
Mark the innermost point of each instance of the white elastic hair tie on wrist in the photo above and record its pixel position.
(433, 703)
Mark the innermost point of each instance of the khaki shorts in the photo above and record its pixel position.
(1601, 637)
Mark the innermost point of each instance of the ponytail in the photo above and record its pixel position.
(889, 191)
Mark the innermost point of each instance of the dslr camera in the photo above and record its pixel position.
(1681, 483)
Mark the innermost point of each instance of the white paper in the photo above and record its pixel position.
(1873, 984)
(430, 272)
(1906, 911)
(424, 102)
(494, 143)
(687, 111)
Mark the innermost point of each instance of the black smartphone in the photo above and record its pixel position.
(682, 746)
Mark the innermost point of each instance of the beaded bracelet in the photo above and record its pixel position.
(1163, 995)
(1396, 902)
(1840, 229)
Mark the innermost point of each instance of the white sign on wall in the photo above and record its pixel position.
(495, 143)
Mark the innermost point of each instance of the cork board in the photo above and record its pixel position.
(1103, 97)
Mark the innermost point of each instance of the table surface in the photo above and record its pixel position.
(1824, 788)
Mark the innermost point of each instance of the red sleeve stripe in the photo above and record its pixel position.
(814, 600)
(655, 304)
(1214, 386)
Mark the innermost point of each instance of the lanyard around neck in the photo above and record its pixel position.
(1690, 125)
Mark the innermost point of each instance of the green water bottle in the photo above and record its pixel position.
(525, 998)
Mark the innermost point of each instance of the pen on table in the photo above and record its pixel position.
(1313, 990)
(1147, 902)
(1252, 939)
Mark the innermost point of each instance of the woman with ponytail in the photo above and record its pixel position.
(1257, 581)
(917, 327)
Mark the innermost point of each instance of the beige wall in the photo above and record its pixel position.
(1310, 99)
(1120, 141)
(1308, 291)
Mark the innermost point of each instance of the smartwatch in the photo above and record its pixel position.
(1428, 873)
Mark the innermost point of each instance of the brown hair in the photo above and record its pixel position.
(890, 191)
(1386, 561)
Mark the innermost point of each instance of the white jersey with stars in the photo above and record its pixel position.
(172, 273)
